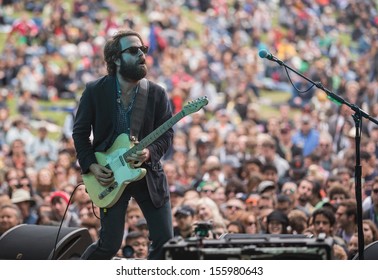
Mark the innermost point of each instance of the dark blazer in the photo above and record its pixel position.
(96, 110)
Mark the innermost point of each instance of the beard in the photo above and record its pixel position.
(132, 72)
(303, 199)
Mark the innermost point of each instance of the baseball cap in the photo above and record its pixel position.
(184, 210)
(179, 190)
(265, 185)
(61, 194)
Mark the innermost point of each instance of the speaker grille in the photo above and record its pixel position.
(36, 242)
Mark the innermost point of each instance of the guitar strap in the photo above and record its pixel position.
(137, 115)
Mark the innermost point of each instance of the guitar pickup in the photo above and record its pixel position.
(108, 190)
(122, 160)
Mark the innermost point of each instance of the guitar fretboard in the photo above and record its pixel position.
(150, 138)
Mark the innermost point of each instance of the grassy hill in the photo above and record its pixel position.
(55, 111)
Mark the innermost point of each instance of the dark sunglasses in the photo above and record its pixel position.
(135, 50)
(208, 191)
(234, 207)
(375, 191)
(19, 186)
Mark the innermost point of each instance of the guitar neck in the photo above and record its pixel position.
(150, 138)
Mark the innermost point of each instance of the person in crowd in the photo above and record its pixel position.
(192, 173)
(19, 131)
(60, 213)
(44, 184)
(346, 219)
(235, 227)
(265, 204)
(80, 199)
(303, 196)
(219, 196)
(268, 188)
(176, 193)
(44, 212)
(211, 170)
(369, 170)
(141, 225)
(18, 155)
(290, 190)
(125, 56)
(270, 173)
(250, 223)
(269, 155)
(11, 181)
(370, 231)
(4, 199)
(337, 194)
(184, 216)
(284, 204)
(207, 189)
(43, 150)
(26, 203)
(208, 211)
(234, 209)
(296, 172)
(324, 148)
(133, 214)
(172, 172)
(10, 216)
(346, 175)
(372, 212)
(60, 177)
(297, 221)
(235, 188)
(89, 219)
(285, 147)
(323, 222)
(277, 223)
(136, 246)
(307, 136)
(353, 246)
(370, 235)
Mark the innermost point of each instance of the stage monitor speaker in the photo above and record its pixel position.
(36, 242)
(250, 247)
(370, 252)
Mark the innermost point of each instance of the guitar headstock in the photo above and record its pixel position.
(195, 105)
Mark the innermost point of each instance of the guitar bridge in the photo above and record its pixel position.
(108, 190)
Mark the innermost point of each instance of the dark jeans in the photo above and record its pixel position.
(159, 221)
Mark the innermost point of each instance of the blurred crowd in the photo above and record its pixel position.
(231, 165)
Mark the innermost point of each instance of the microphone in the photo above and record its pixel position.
(263, 53)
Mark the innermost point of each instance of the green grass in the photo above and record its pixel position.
(123, 9)
(2, 40)
(50, 111)
(275, 98)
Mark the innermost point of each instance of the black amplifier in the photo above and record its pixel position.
(250, 247)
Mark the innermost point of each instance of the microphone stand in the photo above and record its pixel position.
(357, 117)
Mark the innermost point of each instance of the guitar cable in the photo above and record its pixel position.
(61, 222)
(64, 215)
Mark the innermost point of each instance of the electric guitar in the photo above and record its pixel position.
(115, 159)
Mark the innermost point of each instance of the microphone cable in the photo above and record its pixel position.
(265, 54)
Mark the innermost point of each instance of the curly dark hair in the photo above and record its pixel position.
(112, 49)
(326, 213)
